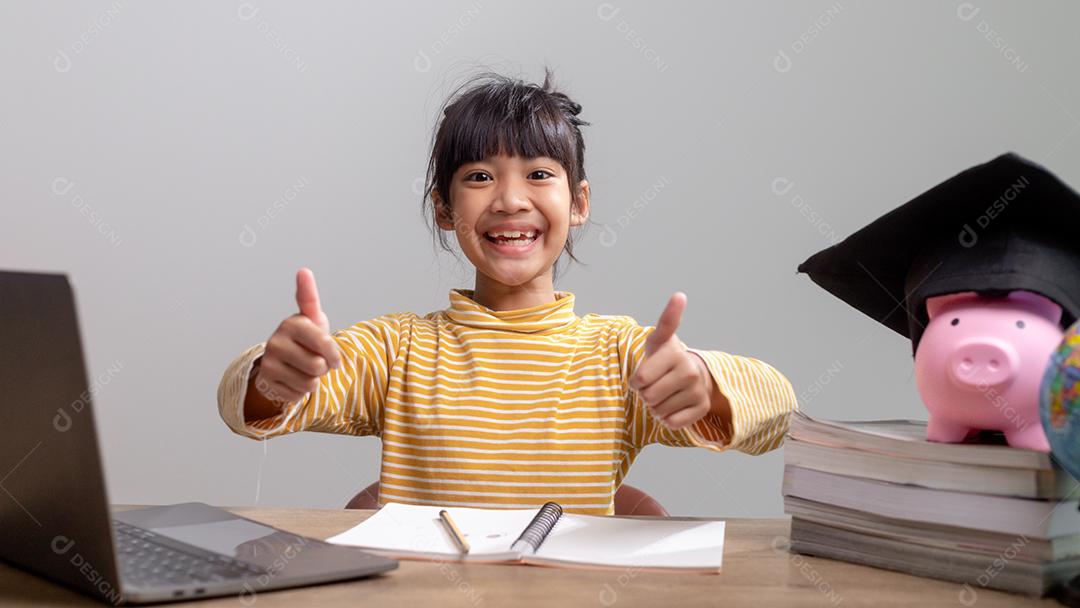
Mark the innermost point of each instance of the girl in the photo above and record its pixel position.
(507, 398)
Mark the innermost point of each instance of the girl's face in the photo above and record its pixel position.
(494, 198)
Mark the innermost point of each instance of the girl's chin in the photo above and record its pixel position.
(513, 272)
(511, 279)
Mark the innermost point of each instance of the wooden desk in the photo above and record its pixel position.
(755, 573)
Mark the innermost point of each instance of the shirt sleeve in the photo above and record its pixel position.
(761, 399)
(349, 400)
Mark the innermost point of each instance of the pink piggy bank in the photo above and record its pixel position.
(979, 364)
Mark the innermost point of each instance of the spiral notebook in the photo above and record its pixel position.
(551, 538)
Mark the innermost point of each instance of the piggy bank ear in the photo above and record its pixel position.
(936, 304)
(1039, 304)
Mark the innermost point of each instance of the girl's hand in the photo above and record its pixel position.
(673, 382)
(300, 350)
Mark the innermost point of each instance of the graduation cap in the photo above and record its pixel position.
(1003, 225)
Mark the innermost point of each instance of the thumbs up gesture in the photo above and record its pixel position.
(300, 350)
(673, 382)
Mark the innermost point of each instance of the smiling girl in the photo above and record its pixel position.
(506, 398)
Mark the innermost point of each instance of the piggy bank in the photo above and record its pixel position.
(980, 364)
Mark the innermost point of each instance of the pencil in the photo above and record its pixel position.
(455, 533)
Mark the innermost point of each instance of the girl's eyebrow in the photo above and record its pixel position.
(550, 162)
(543, 159)
(479, 164)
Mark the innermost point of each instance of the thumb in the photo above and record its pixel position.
(668, 323)
(307, 298)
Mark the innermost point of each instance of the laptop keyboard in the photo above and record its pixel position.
(149, 560)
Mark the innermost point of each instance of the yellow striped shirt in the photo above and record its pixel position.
(484, 408)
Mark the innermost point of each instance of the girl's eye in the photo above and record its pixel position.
(478, 176)
(540, 174)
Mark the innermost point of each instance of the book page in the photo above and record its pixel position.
(907, 438)
(399, 528)
(649, 543)
(905, 430)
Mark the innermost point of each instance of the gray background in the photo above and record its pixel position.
(729, 142)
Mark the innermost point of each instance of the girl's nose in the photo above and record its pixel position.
(511, 197)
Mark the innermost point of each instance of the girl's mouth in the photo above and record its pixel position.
(517, 243)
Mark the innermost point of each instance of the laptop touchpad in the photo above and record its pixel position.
(234, 537)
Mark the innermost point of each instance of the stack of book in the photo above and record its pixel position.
(982, 514)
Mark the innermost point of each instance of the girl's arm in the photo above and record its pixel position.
(761, 403)
(750, 413)
(349, 399)
(719, 405)
(256, 405)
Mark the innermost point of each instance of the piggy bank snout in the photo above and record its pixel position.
(983, 363)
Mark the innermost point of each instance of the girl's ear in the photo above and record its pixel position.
(579, 209)
(443, 217)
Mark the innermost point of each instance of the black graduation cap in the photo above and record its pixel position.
(1004, 225)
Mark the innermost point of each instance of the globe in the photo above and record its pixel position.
(1059, 401)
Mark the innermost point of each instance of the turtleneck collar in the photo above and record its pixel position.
(534, 319)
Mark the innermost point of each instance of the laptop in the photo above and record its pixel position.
(55, 519)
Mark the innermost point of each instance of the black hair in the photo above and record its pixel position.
(492, 114)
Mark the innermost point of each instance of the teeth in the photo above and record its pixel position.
(513, 238)
(513, 234)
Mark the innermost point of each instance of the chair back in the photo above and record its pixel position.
(628, 501)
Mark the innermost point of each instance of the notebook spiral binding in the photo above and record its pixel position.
(540, 526)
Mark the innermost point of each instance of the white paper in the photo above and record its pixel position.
(583, 539)
(417, 529)
(654, 543)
